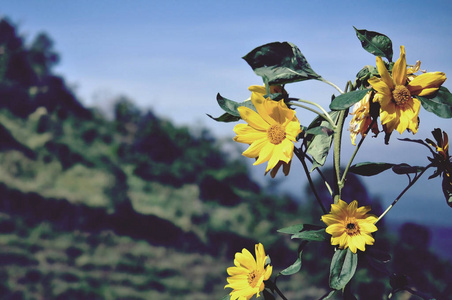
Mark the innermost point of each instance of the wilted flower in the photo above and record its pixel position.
(441, 158)
(248, 275)
(362, 118)
(350, 226)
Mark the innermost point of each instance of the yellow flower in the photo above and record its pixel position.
(398, 109)
(248, 276)
(361, 118)
(270, 132)
(260, 89)
(350, 226)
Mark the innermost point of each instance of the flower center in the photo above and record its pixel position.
(401, 95)
(276, 134)
(253, 279)
(352, 228)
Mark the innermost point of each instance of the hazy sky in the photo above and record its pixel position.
(175, 56)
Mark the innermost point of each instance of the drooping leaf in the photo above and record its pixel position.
(226, 117)
(440, 103)
(292, 229)
(342, 269)
(230, 106)
(294, 268)
(447, 188)
(319, 145)
(312, 235)
(404, 168)
(369, 168)
(280, 63)
(346, 100)
(375, 43)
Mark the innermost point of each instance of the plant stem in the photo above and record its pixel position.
(325, 115)
(356, 151)
(318, 106)
(410, 184)
(332, 84)
(338, 184)
(301, 156)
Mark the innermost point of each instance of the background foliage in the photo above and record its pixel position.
(134, 207)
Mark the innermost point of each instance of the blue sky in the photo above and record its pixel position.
(175, 56)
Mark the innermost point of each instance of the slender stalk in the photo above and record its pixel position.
(320, 173)
(410, 184)
(338, 184)
(318, 106)
(301, 157)
(279, 292)
(332, 84)
(272, 285)
(326, 117)
(356, 151)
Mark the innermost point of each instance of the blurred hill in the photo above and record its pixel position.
(131, 207)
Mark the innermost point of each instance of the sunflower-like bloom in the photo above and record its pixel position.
(270, 132)
(248, 275)
(350, 226)
(398, 109)
(362, 118)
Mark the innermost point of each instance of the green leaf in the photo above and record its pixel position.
(375, 43)
(319, 145)
(280, 63)
(406, 169)
(440, 103)
(346, 100)
(342, 269)
(230, 106)
(226, 117)
(311, 235)
(291, 229)
(227, 297)
(447, 189)
(369, 168)
(320, 130)
(294, 268)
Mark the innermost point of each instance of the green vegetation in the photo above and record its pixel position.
(128, 208)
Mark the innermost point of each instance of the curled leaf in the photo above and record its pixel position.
(376, 43)
(342, 269)
(369, 168)
(280, 63)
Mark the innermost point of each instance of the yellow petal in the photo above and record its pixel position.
(255, 148)
(247, 134)
(384, 74)
(380, 86)
(265, 154)
(399, 68)
(258, 89)
(253, 118)
(261, 104)
(426, 84)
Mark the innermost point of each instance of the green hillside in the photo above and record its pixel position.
(131, 207)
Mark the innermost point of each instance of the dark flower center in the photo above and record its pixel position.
(401, 95)
(352, 228)
(276, 134)
(252, 279)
